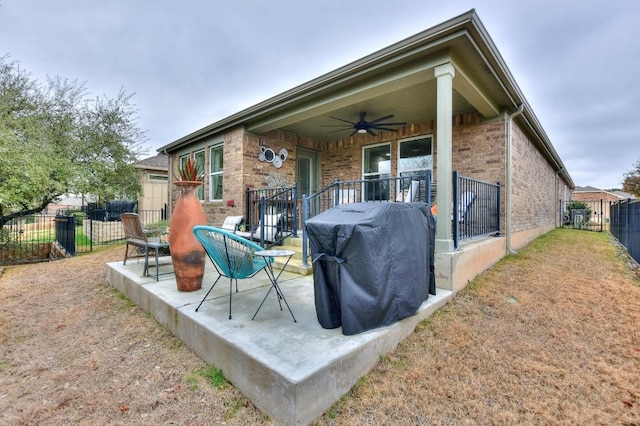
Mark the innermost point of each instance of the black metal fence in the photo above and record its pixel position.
(477, 211)
(625, 225)
(42, 237)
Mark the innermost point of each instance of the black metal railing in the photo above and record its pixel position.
(476, 210)
(625, 225)
(366, 190)
(262, 205)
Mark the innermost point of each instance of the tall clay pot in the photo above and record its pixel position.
(187, 254)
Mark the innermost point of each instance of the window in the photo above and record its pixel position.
(157, 178)
(216, 173)
(376, 164)
(198, 156)
(414, 156)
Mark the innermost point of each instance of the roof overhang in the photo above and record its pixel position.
(398, 80)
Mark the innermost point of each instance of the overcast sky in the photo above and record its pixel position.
(193, 62)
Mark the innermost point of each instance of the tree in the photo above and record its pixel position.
(55, 140)
(631, 182)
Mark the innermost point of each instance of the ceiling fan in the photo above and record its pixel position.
(363, 126)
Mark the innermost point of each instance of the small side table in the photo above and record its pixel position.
(155, 246)
(273, 278)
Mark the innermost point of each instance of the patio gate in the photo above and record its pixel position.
(589, 215)
(65, 231)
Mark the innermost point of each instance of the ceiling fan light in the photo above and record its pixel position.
(362, 130)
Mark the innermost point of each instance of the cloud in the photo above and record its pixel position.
(194, 62)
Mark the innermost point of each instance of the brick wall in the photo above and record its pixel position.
(342, 158)
(535, 186)
(478, 151)
(594, 196)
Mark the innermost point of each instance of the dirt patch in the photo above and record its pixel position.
(75, 351)
(548, 336)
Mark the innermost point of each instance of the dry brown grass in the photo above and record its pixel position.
(549, 336)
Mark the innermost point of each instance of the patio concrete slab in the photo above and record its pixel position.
(293, 371)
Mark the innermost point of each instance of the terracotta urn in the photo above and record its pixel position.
(187, 254)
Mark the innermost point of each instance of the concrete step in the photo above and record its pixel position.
(295, 264)
(294, 242)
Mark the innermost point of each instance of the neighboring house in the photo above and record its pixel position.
(154, 180)
(624, 195)
(463, 111)
(589, 193)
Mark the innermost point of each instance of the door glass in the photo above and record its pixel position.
(304, 175)
(377, 169)
(306, 172)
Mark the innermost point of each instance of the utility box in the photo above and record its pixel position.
(578, 218)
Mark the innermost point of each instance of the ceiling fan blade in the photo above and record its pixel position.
(390, 124)
(384, 128)
(346, 126)
(341, 130)
(354, 132)
(381, 119)
(346, 121)
(371, 132)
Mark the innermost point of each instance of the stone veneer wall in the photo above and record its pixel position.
(102, 232)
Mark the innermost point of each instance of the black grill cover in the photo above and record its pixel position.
(372, 263)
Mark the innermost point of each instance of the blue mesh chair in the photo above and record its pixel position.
(232, 256)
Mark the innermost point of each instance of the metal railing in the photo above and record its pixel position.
(625, 225)
(365, 190)
(270, 201)
(477, 208)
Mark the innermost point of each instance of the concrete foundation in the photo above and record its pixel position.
(293, 371)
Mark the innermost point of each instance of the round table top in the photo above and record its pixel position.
(274, 253)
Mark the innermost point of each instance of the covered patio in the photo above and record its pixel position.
(293, 371)
(442, 100)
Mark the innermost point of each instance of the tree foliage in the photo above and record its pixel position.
(55, 140)
(631, 182)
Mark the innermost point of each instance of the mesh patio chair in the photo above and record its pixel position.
(232, 256)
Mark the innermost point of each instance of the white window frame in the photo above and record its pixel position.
(217, 173)
(156, 177)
